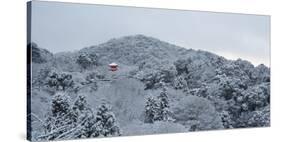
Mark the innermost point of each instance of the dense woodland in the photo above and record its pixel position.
(158, 88)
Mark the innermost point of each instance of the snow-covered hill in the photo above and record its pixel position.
(158, 88)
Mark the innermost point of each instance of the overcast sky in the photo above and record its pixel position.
(67, 27)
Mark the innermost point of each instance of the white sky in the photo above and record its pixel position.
(67, 27)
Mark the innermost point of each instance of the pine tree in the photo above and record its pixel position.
(151, 108)
(67, 121)
(61, 118)
(85, 118)
(80, 103)
(106, 122)
(226, 119)
(163, 110)
(158, 110)
(60, 104)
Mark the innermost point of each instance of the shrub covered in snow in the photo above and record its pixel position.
(198, 113)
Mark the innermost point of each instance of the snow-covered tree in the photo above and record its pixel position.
(167, 73)
(179, 82)
(154, 74)
(182, 65)
(39, 80)
(78, 120)
(197, 113)
(226, 119)
(85, 118)
(87, 124)
(60, 104)
(150, 79)
(260, 118)
(103, 123)
(257, 118)
(158, 109)
(163, 111)
(106, 122)
(92, 78)
(59, 80)
(151, 108)
(86, 60)
(261, 73)
(256, 97)
(39, 55)
(61, 117)
(80, 103)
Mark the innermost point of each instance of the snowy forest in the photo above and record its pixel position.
(157, 88)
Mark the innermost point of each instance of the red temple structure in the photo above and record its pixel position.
(113, 66)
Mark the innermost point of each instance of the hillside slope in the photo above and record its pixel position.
(190, 90)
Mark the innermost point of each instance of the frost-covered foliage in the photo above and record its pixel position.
(87, 60)
(153, 75)
(183, 66)
(59, 80)
(164, 107)
(257, 118)
(39, 77)
(226, 119)
(196, 69)
(93, 76)
(256, 97)
(77, 120)
(158, 109)
(260, 118)
(151, 107)
(158, 88)
(197, 113)
(261, 74)
(106, 121)
(38, 54)
(61, 118)
(180, 83)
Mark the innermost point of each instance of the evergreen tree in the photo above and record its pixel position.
(80, 103)
(226, 119)
(60, 104)
(83, 117)
(106, 122)
(86, 60)
(151, 108)
(66, 121)
(163, 109)
(180, 82)
(61, 118)
(60, 81)
(158, 110)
